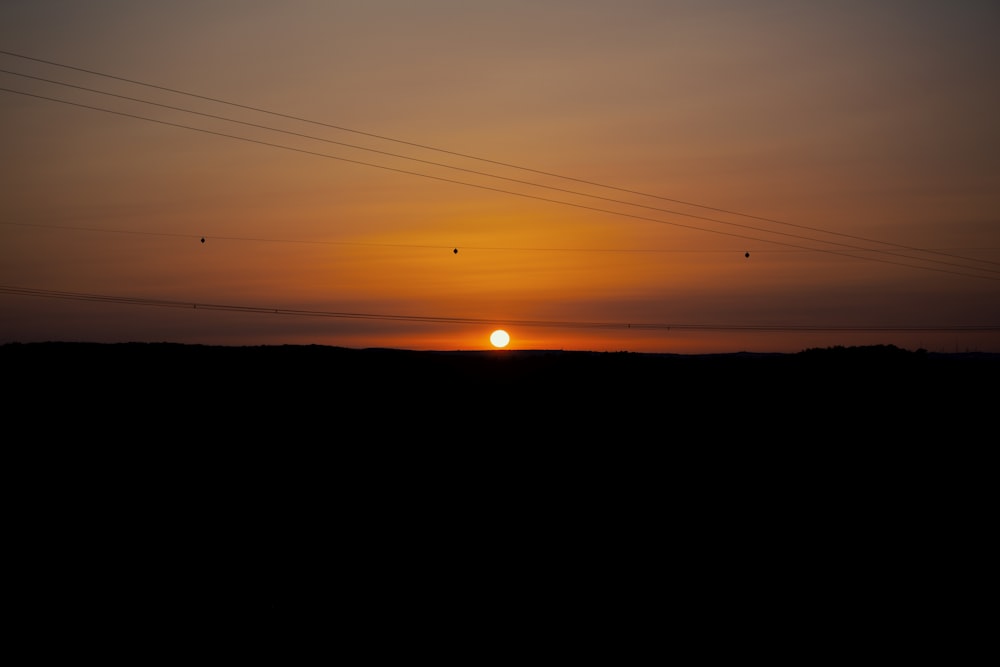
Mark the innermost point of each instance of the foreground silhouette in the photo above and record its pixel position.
(332, 393)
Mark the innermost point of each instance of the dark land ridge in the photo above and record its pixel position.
(881, 390)
(838, 466)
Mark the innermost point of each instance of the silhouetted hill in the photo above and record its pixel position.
(324, 391)
(793, 463)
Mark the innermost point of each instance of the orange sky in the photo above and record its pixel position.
(602, 169)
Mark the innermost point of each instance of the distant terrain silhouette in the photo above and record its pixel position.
(331, 393)
(772, 459)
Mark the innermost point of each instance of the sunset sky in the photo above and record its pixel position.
(658, 176)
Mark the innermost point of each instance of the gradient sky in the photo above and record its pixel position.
(602, 169)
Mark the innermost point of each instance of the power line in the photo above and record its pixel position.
(504, 164)
(217, 237)
(545, 199)
(513, 180)
(257, 239)
(783, 328)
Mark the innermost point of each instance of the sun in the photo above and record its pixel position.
(499, 338)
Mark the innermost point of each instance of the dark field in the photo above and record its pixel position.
(311, 434)
(871, 394)
(819, 478)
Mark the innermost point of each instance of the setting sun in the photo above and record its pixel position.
(499, 338)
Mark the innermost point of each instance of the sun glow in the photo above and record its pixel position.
(499, 338)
